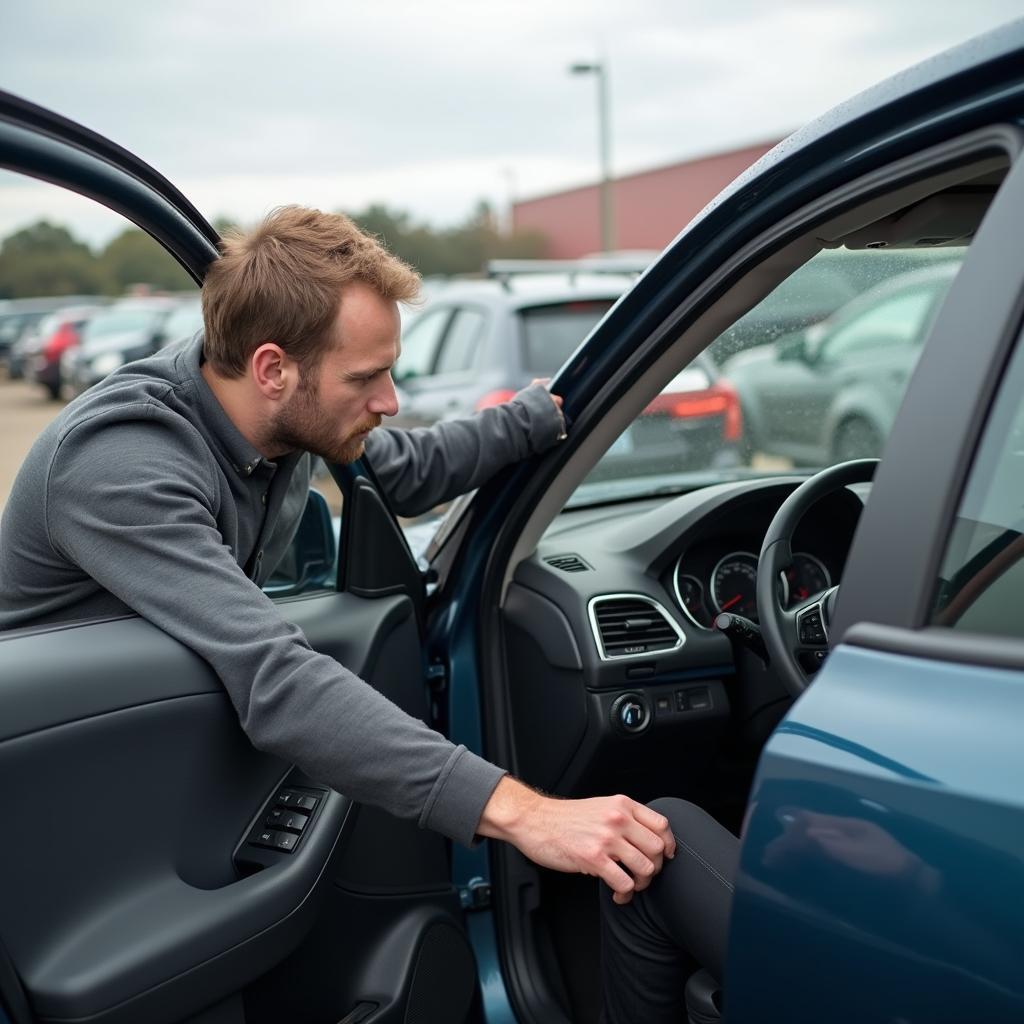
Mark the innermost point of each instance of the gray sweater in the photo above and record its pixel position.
(143, 497)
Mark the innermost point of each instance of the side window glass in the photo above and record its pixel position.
(420, 342)
(896, 322)
(310, 564)
(461, 345)
(981, 583)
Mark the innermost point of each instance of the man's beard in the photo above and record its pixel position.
(302, 425)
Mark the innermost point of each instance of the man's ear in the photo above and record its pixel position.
(273, 372)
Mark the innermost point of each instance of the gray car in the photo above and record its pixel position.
(479, 342)
(830, 393)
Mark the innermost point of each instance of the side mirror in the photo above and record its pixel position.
(311, 557)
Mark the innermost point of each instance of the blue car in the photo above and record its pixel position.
(830, 661)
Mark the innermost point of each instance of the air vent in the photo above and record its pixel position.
(628, 626)
(567, 563)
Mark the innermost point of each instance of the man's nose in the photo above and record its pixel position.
(385, 401)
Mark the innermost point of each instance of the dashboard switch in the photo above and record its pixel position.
(631, 713)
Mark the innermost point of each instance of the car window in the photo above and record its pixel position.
(551, 333)
(895, 322)
(461, 345)
(762, 403)
(981, 582)
(420, 341)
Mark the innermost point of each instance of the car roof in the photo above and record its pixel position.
(536, 290)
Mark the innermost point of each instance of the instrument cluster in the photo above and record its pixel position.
(707, 582)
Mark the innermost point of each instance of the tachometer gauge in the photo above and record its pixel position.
(806, 577)
(734, 584)
(691, 597)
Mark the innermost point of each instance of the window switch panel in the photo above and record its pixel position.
(294, 800)
(274, 840)
(289, 820)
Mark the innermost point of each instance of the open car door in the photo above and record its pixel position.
(161, 869)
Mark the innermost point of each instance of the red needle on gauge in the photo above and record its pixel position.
(732, 600)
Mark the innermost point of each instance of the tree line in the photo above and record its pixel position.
(46, 258)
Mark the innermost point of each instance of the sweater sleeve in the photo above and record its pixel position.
(421, 468)
(143, 525)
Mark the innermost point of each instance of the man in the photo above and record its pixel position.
(173, 487)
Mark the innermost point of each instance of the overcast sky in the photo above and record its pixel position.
(429, 106)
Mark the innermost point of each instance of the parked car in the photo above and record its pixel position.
(836, 277)
(130, 329)
(56, 335)
(184, 320)
(19, 320)
(862, 741)
(479, 342)
(830, 393)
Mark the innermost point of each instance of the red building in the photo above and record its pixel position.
(650, 208)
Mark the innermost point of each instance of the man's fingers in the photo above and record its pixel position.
(617, 880)
(659, 825)
(647, 842)
(640, 866)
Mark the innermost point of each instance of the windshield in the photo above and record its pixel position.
(120, 321)
(812, 376)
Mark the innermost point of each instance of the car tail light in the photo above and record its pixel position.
(718, 400)
(63, 338)
(494, 398)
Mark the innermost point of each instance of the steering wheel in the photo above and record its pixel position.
(803, 631)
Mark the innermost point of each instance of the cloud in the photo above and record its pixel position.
(422, 105)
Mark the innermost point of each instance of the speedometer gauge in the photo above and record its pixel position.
(734, 584)
(806, 577)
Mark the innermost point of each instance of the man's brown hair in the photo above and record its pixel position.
(282, 282)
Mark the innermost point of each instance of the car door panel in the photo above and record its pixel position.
(136, 784)
(906, 844)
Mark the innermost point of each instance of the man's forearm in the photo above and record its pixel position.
(421, 468)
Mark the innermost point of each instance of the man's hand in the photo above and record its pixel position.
(601, 836)
(557, 399)
(545, 381)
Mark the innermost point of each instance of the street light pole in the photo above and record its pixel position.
(599, 69)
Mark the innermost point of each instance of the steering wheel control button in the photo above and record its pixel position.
(812, 631)
(274, 840)
(631, 714)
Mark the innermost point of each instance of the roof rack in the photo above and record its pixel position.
(504, 270)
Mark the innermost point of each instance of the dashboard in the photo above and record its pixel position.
(609, 627)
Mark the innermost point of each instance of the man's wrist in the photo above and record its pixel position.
(510, 805)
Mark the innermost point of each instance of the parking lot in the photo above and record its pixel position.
(24, 412)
